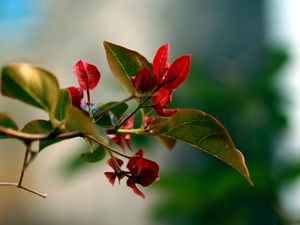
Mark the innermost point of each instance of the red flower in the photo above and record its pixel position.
(123, 139)
(76, 95)
(143, 171)
(170, 76)
(143, 81)
(161, 99)
(87, 74)
(111, 176)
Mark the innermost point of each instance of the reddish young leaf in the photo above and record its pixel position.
(160, 61)
(76, 95)
(177, 73)
(87, 74)
(143, 81)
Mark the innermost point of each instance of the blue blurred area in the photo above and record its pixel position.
(11, 10)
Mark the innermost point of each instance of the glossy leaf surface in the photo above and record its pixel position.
(125, 63)
(6, 121)
(77, 120)
(202, 131)
(63, 102)
(30, 84)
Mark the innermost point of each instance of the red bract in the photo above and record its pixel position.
(111, 176)
(162, 97)
(170, 76)
(160, 62)
(177, 73)
(87, 74)
(76, 95)
(122, 139)
(143, 171)
(143, 81)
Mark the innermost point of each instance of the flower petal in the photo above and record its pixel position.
(160, 61)
(87, 74)
(177, 73)
(162, 97)
(112, 165)
(111, 177)
(131, 184)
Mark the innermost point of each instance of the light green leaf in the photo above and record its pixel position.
(7, 122)
(77, 120)
(125, 63)
(30, 84)
(63, 102)
(202, 131)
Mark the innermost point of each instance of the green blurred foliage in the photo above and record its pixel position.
(202, 190)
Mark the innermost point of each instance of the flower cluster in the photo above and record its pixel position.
(163, 79)
(158, 85)
(140, 171)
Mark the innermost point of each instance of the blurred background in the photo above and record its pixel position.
(245, 71)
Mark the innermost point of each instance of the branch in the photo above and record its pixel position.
(24, 188)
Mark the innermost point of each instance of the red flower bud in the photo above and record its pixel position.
(160, 61)
(87, 74)
(143, 81)
(76, 95)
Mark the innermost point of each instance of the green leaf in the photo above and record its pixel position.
(42, 127)
(63, 102)
(202, 131)
(125, 63)
(110, 117)
(118, 110)
(38, 127)
(95, 156)
(6, 121)
(77, 120)
(168, 142)
(30, 84)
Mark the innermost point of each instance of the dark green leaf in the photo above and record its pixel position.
(30, 84)
(125, 63)
(95, 156)
(6, 121)
(118, 110)
(63, 102)
(110, 117)
(202, 131)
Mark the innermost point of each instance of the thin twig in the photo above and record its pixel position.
(28, 145)
(24, 188)
(106, 146)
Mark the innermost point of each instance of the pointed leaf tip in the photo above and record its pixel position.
(204, 132)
